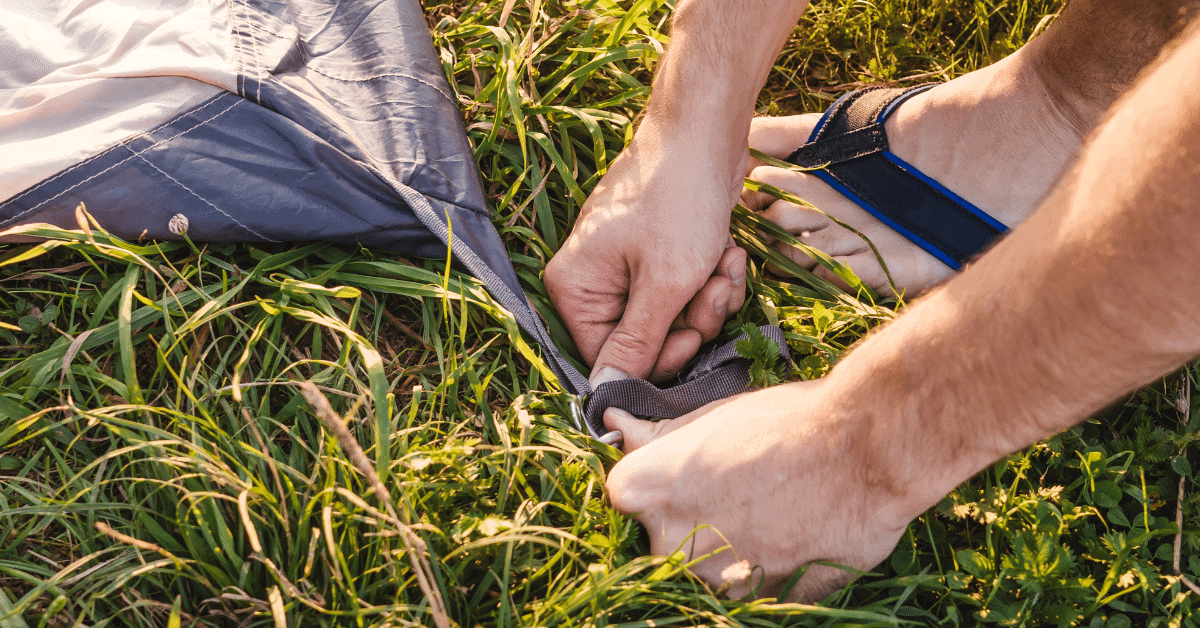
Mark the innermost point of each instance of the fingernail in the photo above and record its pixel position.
(722, 302)
(612, 439)
(605, 375)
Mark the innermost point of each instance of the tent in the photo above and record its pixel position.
(256, 121)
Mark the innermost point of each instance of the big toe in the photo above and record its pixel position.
(780, 136)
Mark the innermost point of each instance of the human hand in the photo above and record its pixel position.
(649, 271)
(781, 475)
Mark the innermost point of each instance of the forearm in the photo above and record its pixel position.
(1095, 295)
(720, 54)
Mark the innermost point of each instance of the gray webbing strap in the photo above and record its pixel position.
(714, 375)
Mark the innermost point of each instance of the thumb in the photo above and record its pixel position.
(638, 433)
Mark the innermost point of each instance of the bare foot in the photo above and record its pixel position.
(994, 137)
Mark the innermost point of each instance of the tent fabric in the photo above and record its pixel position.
(336, 103)
(256, 121)
(249, 121)
(78, 77)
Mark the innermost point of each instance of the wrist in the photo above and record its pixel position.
(923, 419)
(705, 154)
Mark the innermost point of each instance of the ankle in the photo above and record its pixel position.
(1097, 50)
(1071, 96)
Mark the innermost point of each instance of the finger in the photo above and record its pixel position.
(680, 321)
(733, 267)
(641, 432)
(679, 347)
(635, 343)
(780, 136)
(637, 432)
(589, 315)
(722, 295)
(605, 374)
(706, 313)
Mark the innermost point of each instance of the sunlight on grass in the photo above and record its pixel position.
(160, 466)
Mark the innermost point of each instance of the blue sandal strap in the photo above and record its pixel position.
(851, 148)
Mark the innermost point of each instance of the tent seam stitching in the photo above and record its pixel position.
(99, 155)
(206, 201)
(384, 75)
(135, 154)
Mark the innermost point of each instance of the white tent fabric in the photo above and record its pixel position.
(59, 104)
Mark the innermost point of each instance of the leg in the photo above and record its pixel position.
(1097, 49)
(999, 137)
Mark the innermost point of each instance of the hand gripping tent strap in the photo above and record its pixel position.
(295, 121)
(850, 147)
(716, 374)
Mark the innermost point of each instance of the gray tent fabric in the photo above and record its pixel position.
(333, 122)
(342, 128)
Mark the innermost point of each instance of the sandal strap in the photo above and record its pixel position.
(850, 148)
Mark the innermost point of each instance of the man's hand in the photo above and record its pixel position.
(649, 271)
(646, 274)
(780, 477)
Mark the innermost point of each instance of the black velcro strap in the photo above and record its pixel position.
(916, 206)
(841, 148)
(853, 143)
(714, 375)
(851, 129)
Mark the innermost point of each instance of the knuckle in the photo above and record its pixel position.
(627, 345)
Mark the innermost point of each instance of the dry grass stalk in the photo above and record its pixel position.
(1179, 540)
(413, 543)
(107, 530)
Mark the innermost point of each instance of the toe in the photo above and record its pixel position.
(834, 241)
(796, 219)
(864, 265)
(779, 136)
(808, 187)
(770, 175)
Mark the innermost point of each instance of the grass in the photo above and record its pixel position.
(159, 464)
